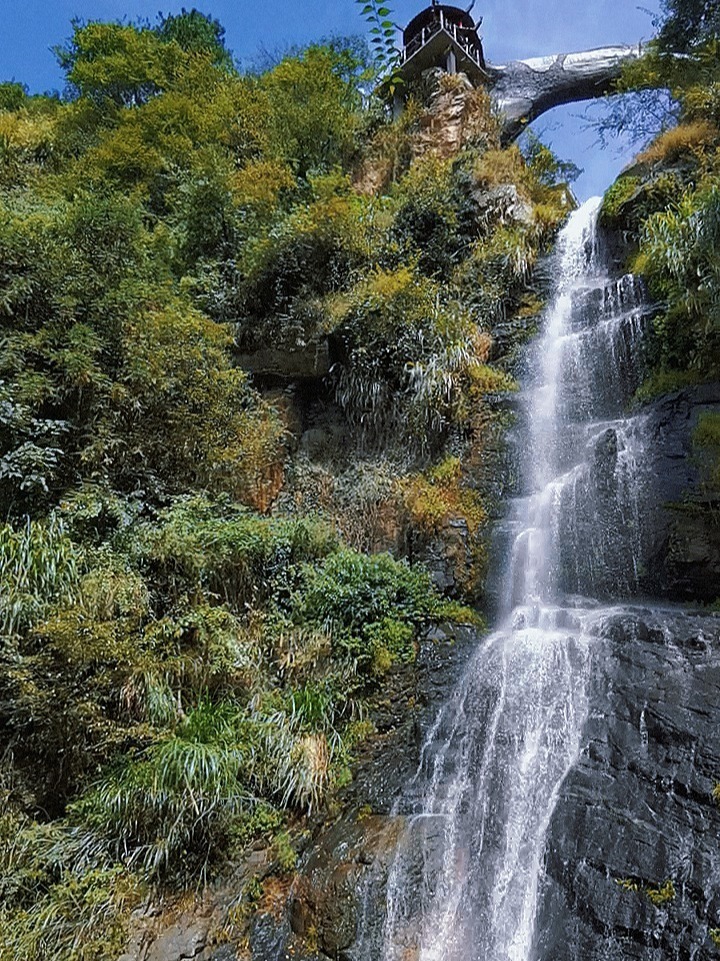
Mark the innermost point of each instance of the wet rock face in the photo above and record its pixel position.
(327, 905)
(684, 550)
(637, 810)
(337, 904)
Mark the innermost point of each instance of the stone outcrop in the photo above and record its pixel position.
(452, 119)
(287, 362)
(209, 926)
(632, 856)
(524, 89)
(325, 904)
(684, 549)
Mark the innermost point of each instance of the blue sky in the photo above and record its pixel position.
(512, 29)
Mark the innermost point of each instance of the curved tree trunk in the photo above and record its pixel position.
(524, 89)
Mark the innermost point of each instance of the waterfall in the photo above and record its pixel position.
(464, 883)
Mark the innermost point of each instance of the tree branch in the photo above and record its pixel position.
(524, 89)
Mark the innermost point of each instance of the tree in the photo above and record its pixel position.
(12, 95)
(196, 32)
(314, 103)
(688, 24)
(124, 64)
(676, 79)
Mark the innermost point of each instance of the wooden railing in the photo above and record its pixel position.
(459, 35)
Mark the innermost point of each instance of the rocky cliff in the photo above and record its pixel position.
(633, 859)
(684, 558)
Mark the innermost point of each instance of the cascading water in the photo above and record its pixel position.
(465, 880)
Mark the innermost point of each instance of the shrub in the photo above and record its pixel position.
(119, 62)
(631, 200)
(389, 153)
(39, 566)
(12, 95)
(368, 605)
(53, 903)
(678, 255)
(666, 382)
(27, 143)
(170, 809)
(623, 190)
(199, 547)
(409, 357)
(494, 277)
(182, 411)
(434, 219)
(311, 252)
(438, 496)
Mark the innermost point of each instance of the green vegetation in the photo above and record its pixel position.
(191, 651)
(382, 33)
(202, 604)
(662, 895)
(171, 687)
(662, 382)
(659, 896)
(706, 445)
(628, 884)
(669, 202)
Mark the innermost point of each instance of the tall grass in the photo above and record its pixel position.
(53, 903)
(39, 564)
(166, 810)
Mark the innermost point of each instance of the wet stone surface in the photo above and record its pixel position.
(637, 810)
(684, 553)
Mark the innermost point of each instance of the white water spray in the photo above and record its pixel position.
(464, 884)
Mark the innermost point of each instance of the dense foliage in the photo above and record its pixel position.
(670, 201)
(191, 644)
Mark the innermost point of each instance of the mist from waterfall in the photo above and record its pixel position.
(464, 883)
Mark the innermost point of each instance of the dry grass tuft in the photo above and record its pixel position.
(691, 138)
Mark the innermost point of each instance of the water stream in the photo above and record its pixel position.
(464, 883)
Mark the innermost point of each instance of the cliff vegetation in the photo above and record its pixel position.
(211, 562)
(668, 202)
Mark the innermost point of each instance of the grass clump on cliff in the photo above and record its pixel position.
(205, 660)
